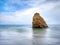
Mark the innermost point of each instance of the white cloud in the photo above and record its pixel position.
(18, 17)
(25, 16)
(29, 2)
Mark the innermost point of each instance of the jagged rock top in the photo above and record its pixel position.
(38, 21)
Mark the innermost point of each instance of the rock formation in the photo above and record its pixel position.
(38, 21)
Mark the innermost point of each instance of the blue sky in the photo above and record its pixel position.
(22, 11)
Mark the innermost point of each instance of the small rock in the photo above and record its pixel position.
(38, 21)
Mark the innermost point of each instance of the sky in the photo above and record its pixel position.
(22, 11)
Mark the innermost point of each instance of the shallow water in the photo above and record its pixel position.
(23, 35)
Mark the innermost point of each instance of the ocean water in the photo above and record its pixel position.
(26, 35)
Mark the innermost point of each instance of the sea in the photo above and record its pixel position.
(26, 35)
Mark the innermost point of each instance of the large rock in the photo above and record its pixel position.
(38, 21)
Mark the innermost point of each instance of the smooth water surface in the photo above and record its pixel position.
(25, 35)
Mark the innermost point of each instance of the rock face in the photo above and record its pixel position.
(38, 21)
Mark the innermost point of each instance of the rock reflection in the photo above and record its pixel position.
(44, 37)
(37, 35)
(29, 36)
